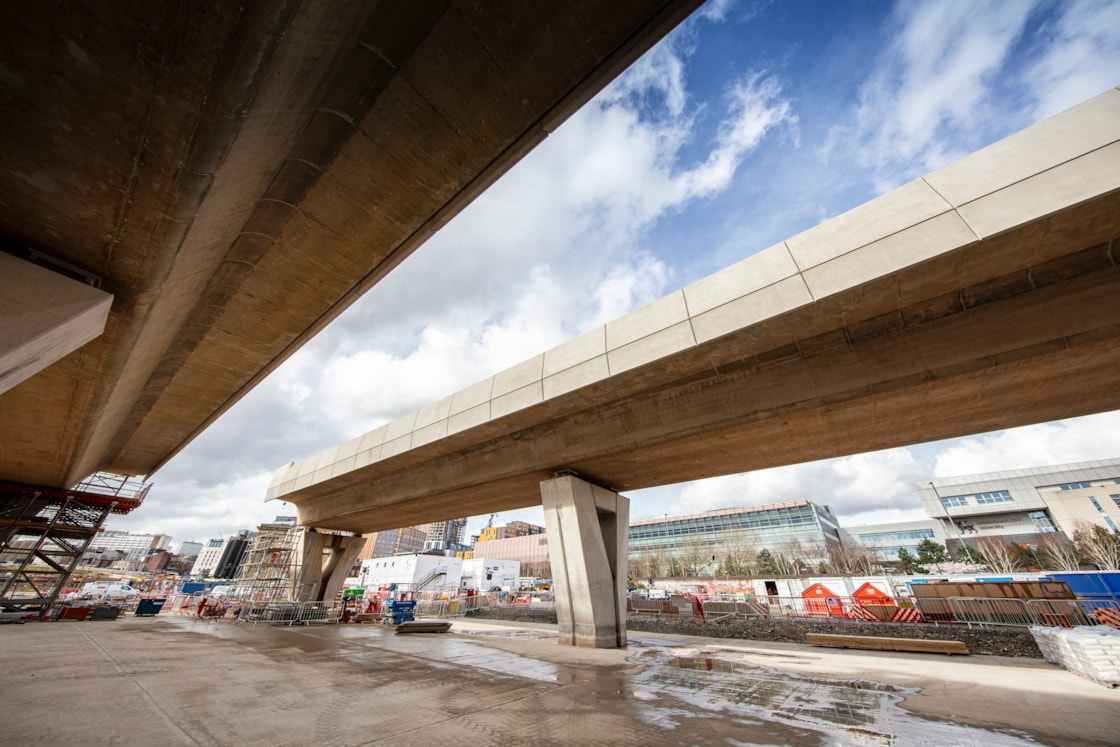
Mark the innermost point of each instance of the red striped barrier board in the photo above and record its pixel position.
(858, 612)
(909, 615)
(1109, 616)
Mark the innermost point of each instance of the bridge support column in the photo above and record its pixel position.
(587, 532)
(325, 561)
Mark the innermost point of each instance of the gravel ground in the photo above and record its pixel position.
(987, 642)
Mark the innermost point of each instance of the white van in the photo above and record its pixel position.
(107, 590)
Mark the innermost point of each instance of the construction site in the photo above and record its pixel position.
(180, 679)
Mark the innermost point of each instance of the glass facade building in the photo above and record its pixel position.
(776, 527)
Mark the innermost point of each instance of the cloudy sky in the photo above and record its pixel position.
(750, 123)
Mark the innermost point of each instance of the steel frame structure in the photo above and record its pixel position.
(45, 531)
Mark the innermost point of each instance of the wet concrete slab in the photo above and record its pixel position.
(177, 680)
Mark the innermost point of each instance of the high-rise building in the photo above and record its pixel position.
(136, 546)
(510, 529)
(445, 535)
(190, 548)
(389, 542)
(221, 557)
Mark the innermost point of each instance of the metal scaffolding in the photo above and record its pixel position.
(271, 567)
(44, 532)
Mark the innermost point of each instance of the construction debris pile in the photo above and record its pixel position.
(1092, 652)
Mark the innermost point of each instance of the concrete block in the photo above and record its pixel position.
(307, 466)
(429, 433)
(741, 279)
(350, 448)
(467, 419)
(402, 426)
(367, 456)
(574, 377)
(651, 347)
(752, 308)
(396, 446)
(282, 475)
(432, 413)
(1068, 184)
(343, 466)
(918, 243)
(376, 437)
(327, 458)
(472, 396)
(586, 347)
(896, 211)
(517, 400)
(518, 377)
(651, 319)
(1063, 137)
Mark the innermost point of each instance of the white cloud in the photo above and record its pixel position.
(930, 97)
(877, 487)
(1080, 56)
(1061, 442)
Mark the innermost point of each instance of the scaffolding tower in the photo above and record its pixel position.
(44, 532)
(271, 567)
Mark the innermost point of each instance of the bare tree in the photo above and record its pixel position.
(851, 560)
(643, 566)
(736, 559)
(1098, 545)
(1057, 554)
(692, 555)
(789, 558)
(663, 565)
(999, 555)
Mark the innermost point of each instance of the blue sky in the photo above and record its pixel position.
(750, 123)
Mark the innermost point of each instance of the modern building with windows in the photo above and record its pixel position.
(706, 539)
(1024, 506)
(883, 541)
(390, 542)
(135, 546)
(220, 558)
(445, 535)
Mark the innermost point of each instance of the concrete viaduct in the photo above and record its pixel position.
(982, 296)
(190, 191)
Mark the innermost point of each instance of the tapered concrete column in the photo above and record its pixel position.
(325, 560)
(587, 544)
(46, 317)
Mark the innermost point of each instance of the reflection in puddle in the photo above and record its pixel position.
(865, 712)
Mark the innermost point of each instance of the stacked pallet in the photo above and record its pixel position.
(1092, 651)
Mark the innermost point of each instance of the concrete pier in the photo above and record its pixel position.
(587, 525)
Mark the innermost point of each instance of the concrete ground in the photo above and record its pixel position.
(178, 680)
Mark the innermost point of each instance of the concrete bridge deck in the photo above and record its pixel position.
(174, 680)
(233, 176)
(980, 297)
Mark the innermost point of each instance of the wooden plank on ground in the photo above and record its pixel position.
(886, 644)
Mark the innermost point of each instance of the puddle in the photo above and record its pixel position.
(854, 712)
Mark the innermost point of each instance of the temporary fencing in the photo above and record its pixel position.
(289, 613)
(1063, 613)
(453, 607)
